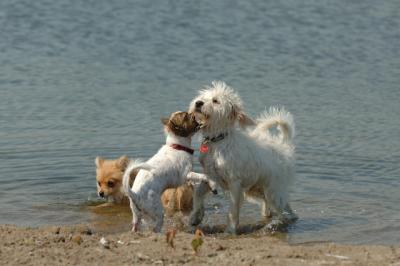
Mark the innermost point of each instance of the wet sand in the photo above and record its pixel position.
(81, 245)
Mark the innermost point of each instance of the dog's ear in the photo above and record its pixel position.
(164, 121)
(122, 162)
(234, 113)
(239, 115)
(98, 161)
(245, 120)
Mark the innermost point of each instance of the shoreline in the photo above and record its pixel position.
(80, 244)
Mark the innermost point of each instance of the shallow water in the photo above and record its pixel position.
(85, 78)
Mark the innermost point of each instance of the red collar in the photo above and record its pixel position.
(182, 148)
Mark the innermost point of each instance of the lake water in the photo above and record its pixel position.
(85, 78)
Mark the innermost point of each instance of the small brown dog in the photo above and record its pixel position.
(109, 174)
(178, 199)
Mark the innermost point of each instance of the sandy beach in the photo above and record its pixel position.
(80, 245)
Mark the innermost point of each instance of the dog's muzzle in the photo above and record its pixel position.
(198, 106)
(101, 194)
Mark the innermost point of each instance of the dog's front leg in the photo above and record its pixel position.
(203, 178)
(236, 198)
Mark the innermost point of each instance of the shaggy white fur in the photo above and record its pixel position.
(251, 161)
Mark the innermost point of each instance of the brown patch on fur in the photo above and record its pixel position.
(181, 124)
(178, 199)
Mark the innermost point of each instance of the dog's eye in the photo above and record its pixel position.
(99, 184)
(215, 101)
(110, 184)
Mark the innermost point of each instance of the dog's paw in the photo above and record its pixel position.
(135, 227)
(291, 217)
(213, 186)
(276, 225)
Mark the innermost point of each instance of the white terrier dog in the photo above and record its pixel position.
(252, 161)
(170, 167)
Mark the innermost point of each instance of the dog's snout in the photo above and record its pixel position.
(199, 104)
(101, 194)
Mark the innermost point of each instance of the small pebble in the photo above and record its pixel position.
(142, 256)
(104, 243)
(220, 248)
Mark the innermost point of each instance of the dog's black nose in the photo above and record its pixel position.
(199, 104)
(101, 194)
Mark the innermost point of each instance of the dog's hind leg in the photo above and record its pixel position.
(199, 193)
(236, 199)
(154, 209)
(282, 213)
(159, 222)
(157, 214)
(260, 200)
(265, 209)
(289, 215)
(136, 216)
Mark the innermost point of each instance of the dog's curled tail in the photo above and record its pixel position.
(281, 119)
(134, 165)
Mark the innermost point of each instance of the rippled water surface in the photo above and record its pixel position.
(85, 78)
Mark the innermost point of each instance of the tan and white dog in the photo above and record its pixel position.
(248, 161)
(170, 167)
(109, 174)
